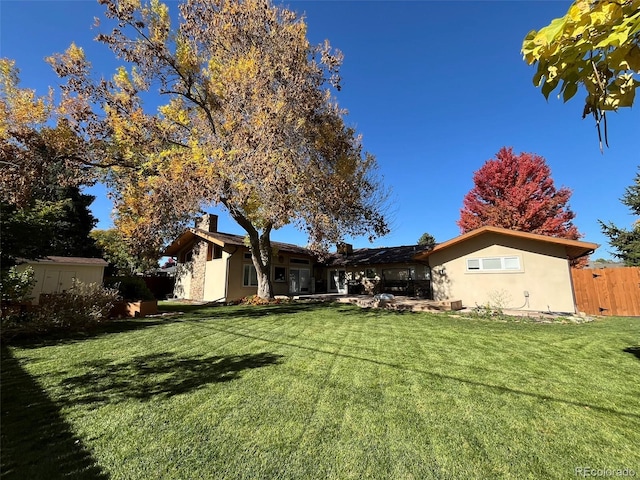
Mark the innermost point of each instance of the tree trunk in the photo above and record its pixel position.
(265, 289)
(261, 252)
(261, 255)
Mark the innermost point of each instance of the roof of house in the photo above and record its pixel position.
(224, 239)
(574, 248)
(376, 256)
(65, 261)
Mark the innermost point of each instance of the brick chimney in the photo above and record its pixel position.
(344, 248)
(208, 222)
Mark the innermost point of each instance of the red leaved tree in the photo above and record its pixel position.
(517, 192)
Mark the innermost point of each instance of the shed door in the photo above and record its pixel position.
(51, 281)
(66, 280)
(56, 281)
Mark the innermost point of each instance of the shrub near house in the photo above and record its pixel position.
(82, 306)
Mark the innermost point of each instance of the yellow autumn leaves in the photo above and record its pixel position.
(19, 106)
(596, 44)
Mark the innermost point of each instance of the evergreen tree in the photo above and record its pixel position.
(627, 242)
(56, 222)
(427, 240)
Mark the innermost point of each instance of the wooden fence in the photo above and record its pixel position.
(607, 291)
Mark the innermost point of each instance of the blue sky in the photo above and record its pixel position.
(436, 88)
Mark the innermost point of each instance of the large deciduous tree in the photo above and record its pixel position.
(39, 151)
(42, 164)
(115, 250)
(517, 192)
(596, 45)
(248, 121)
(627, 242)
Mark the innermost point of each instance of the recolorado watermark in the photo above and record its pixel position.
(587, 472)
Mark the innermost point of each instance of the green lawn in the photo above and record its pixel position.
(323, 391)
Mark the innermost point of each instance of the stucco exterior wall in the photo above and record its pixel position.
(223, 278)
(237, 290)
(182, 288)
(544, 273)
(215, 278)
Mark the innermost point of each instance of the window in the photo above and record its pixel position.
(493, 264)
(511, 263)
(299, 280)
(213, 251)
(279, 274)
(473, 264)
(402, 274)
(250, 276)
(422, 273)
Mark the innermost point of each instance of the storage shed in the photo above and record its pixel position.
(56, 274)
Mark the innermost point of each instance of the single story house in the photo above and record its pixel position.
(490, 265)
(56, 274)
(216, 266)
(507, 269)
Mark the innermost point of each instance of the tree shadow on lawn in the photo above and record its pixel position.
(181, 313)
(36, 440)
(156, 375)
(635, 351)
(106, 328)
(437, 375)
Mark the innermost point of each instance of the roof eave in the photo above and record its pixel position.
(578, 247)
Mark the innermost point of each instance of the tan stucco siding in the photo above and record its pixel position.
(182, 288)
(544, 273)
(223, 278)
(215, 278)
(237, 290)
(53, 278)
